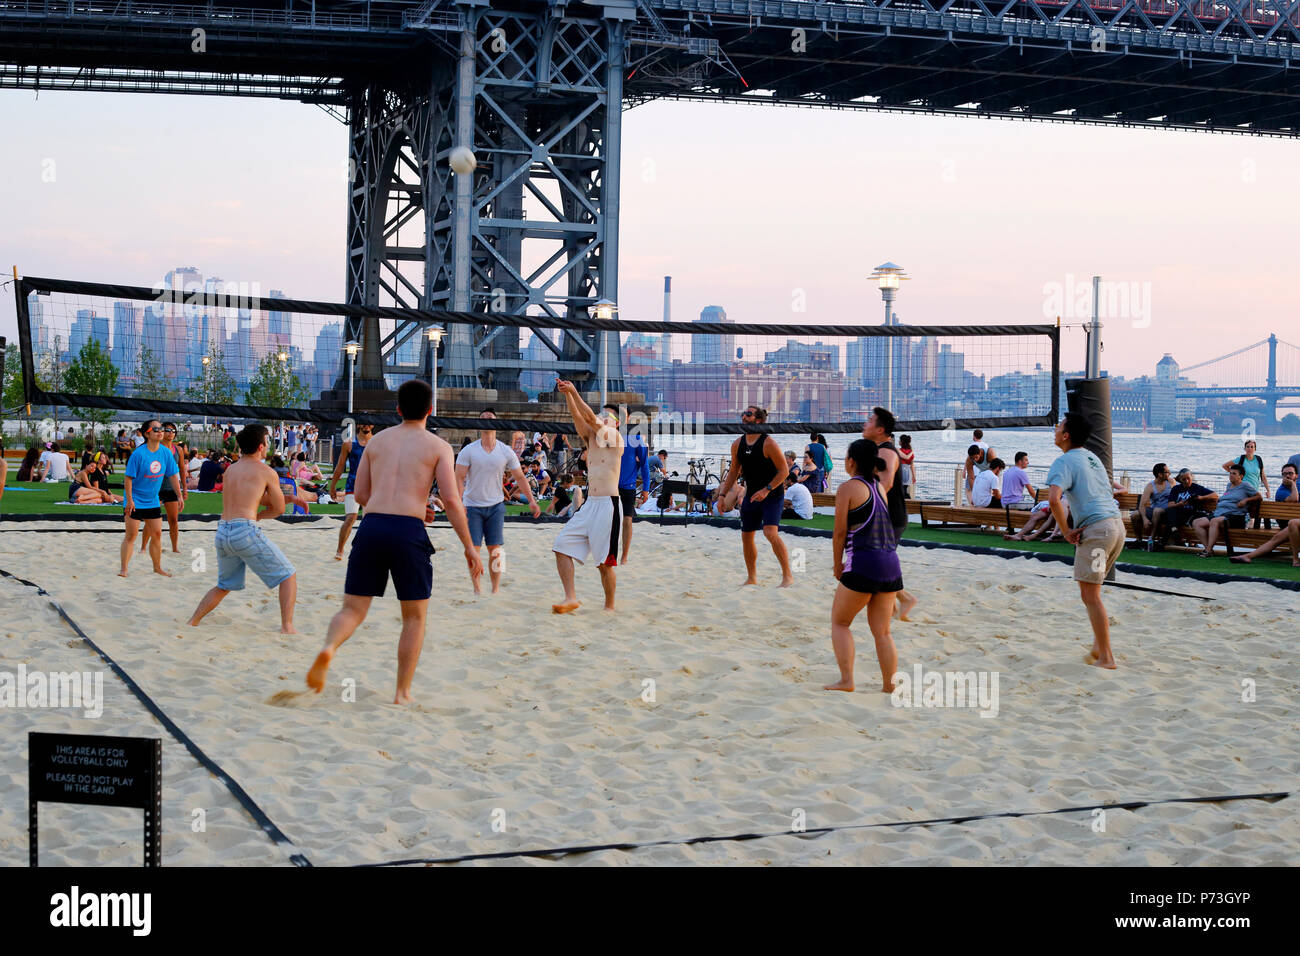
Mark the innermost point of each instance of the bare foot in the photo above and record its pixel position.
(339, 556)
(165, 574)
(316, 676)
(1242, 559)
(608, 607)
(786, 581)
(1094, 653)
(568, 607)
(1013, 537)
(1108, 663)
(841, 684)
(749, 581)
(906, 606)
(121, 574)
(287, 629)
(403, 697)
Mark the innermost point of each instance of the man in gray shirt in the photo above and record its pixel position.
(1230, 512)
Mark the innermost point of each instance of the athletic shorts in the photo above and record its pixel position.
(487, 522)
(866, 585)
(167, 495)
(390, 545)
(144, 514)
(350, 506)
(755, 515)
(241, 544)
(627, 498)
(1101, 544)
(593, 531)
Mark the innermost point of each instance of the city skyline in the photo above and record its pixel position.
(938, 201)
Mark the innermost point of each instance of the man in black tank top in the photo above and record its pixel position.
(880, 429)
(763, 466)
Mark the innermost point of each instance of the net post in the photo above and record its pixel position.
(21, 291)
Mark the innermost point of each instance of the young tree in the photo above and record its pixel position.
(215, 383)
(150, 382)
(275, 384)
(92, 372)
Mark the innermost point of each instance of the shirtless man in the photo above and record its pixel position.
(594, 528)
(393, 482)
(250, 492)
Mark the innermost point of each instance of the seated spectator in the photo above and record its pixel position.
(1231, 511)
(32, 467)
(83, 490)
(1017, 492)
(56, 464)
(539, 478)
(1187, 502)
(812, 477)
(1040, 521)
(792, 464)
(984, 492)
(307, 474)
(659, 464)
(568, 497)
(798, 500)
(192, 469)
(122, 445)
(1151, 507)
(1286, 490)
(1289, 534)
(729, 505)
(100, 477)
(210, 472)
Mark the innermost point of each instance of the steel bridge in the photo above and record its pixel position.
(537, 88)
(1244, 369)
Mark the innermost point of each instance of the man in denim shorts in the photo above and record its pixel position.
(250, 492)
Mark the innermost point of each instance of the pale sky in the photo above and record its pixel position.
(745, 206)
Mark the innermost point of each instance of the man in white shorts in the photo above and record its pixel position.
(479, 468)
(594, 528)
(349, 455)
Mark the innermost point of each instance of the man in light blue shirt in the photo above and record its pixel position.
(1080, 478)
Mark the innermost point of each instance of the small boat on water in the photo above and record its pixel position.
(1201, 428)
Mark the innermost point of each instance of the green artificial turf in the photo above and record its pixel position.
(43, 498)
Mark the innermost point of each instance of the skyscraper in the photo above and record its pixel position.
(279, 330)
(36, 322)
(125, 353)
(326, 357)
(713, 348)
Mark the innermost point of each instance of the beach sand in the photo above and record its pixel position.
(530, 730)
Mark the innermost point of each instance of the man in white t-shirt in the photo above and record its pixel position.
(55, 462)
(986, 493)
(798, 499)
(479, 469)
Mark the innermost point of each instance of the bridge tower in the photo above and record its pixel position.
(536, 91)
(1270, 386)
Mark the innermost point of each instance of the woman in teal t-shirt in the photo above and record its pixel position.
(1255, 477)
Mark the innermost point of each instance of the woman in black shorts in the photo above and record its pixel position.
(171, 505)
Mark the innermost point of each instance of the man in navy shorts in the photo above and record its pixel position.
(393, 483)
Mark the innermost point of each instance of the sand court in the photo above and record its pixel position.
(694, 710)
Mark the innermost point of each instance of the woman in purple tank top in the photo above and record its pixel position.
(866, 565)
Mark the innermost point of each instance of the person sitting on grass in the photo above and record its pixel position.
(984, 492)
(307, 474)
(1288, 535)
(1231, 511)
(83, 490)
(798, 500)
(32, 468)
(568, 497)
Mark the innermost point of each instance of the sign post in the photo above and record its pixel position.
(101, 771)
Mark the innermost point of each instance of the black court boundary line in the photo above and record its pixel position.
(238, 792)
(818, 831)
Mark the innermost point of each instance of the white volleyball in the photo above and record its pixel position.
(462, 160)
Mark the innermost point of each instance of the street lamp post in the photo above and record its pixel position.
(435, 334)
(605, 310)
(207, 360)
(353, 348)
(888, 276)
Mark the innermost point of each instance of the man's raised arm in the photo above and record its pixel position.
(582, 414)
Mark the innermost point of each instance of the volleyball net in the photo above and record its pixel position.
(230, 353)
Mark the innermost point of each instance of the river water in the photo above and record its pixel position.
(1133, 454)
